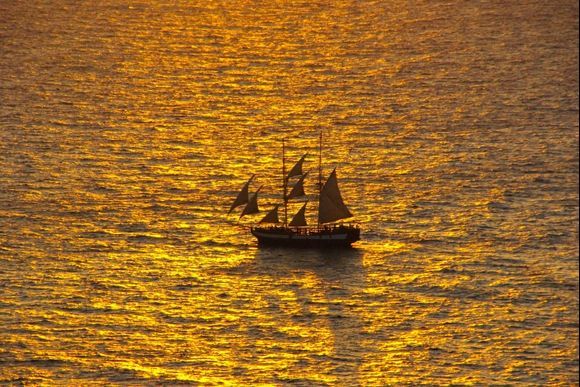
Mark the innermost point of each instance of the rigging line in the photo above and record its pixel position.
(319, 174)
(285, 183)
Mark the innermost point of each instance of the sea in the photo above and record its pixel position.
(127, 128)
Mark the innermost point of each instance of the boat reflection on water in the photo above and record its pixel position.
(313, 310)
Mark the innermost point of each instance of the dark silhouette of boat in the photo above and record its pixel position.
(297, 233)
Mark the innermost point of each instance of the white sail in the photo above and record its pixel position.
(331, 206)
(243, 196)
(252, 206)
(297, 168)
(298, 189)
(272, 216)
(299, 219)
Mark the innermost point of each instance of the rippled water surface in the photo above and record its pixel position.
(127, 127)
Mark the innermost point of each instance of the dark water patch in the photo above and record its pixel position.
(133, 227)
(101, 189)
(40, 362)
(96, 235)
(499, 205)
(218, 243)
(186, 287)
(177, 320)
(557, 285)
(506, 262)
(146, 239)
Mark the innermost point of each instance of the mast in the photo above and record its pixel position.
(285, 184)
(319, 170)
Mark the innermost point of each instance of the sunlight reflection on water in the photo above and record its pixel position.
(127, 129)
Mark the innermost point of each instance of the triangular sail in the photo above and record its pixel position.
(252, 206)
(243, 196)
(297, 168)
(272, 216)
(299, 219)
(298, 189)
(331, 207)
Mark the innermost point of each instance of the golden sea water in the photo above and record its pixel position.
(127, 127)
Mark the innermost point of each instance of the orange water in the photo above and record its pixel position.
(126, 129)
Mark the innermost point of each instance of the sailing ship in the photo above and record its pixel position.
(297, 233)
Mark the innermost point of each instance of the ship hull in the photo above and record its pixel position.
(338, 237)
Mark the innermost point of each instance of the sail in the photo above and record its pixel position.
(272, 216)
(297, 169)
(298, 189)
(299, 219)
(331, 206)
(243, 196)
(252, 206)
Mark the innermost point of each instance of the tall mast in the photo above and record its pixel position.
(319, 171)
(285, 184)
